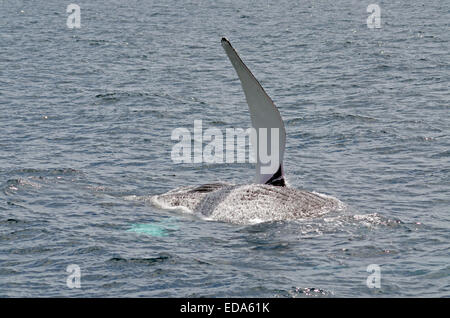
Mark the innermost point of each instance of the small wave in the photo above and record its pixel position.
(443, 154)
(370, 220)
(44, 172)
(14, 185)
(353, 117)
(163, 257)
(296, 292)
(11, 221)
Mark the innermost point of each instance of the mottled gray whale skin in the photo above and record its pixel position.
(247, 204)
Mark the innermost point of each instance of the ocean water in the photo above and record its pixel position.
(86, 117)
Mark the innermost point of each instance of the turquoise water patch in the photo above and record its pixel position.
(158, 229)
(148, 229)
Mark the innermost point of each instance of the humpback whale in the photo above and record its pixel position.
(269, 198)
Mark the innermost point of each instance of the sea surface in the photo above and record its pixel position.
(87, 114)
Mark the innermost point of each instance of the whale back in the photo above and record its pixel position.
(246, 204)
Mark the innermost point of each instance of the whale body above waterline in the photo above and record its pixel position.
(247, 204)
(268, 199)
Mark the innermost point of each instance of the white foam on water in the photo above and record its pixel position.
(162, 205)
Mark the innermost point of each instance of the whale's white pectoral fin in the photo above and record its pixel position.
(266, 120)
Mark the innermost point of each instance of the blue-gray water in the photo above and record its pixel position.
(86, 117)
